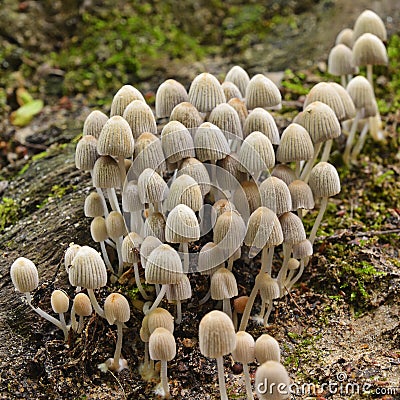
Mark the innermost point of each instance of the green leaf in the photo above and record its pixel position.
(23, 115)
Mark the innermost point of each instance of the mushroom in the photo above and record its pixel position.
(162, 347)
(98, 230)
(302, 196)
(246, 198)
(117, 311)
(196, 169)
(178, 292)
(284, 172)
(169, 94)
(81, 307)
(148, 245)
(345, 36)
(140, 118)
(152, 188)
(187, 114)
(131, 203)
(60, 305)
(125, 95)
(116, 229)
(160, 317)
(269, 291)
(260, 120)
(231, 91)
(94, 205)
(239, 77)
(369, 22)
(262, 92)
(302, 250)
(94, 123)
(244, 353)
(69, 255)
(240, 106)
(229, 175)
(224, 287)
(272, 381)
(340, 62)
(155, 226)
(275, 195)
(146, 369)
(217, 338)
(266, 349)
(239, 305)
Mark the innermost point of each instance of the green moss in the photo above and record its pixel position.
(57, 192)
(9, 212)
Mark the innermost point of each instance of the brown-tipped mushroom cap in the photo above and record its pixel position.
(125, 95)
(266, 349)
(231, 91)
(130, 248)
(223, 284)
(229, 231)
(59, 301)
(155, 226)
(106, 173)
(368, 49)
(369, 21)
(241, 109)
(93, 205)
(262, 121)
(24, 275)
(301, 194)
(162, 345)
(262, 92)
(278, 381)
(227, 119)
(244, 350)
(275, 195)
(169, 94)
(185, 190)
(239, 77)
(187, 114)
(94, 123)
(86, 153)
(116, 308)
(324, 180)
(182, 225)
(210, 143)
(82, 305)
(160, 318)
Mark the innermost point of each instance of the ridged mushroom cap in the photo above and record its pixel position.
(148, 154)
(262, 121)
(340, 61)
(296, 144)
(259, 227)
(144, 332)
(59, 301)
(106, 173)
(116, 138)
(162, 345)
(211, 258)
(140, 118)
(116, 308)
(262, 92)
(130, 248)
(98, 229)
(292, 228)
(284, 172)
(240, 107)
(93, 206)
(163, 266)
(275, 195)
(160, 318)
(361, 91)
(268, 287)
(227, 119)
(369, 22)
(368, 49)
(266, 349)
(179, 291)
(349, 109)
(238, 76)
(155, 225)
(277, 377)
(148, 245)
(324, 180)
(302, 195)
(210, 143)
(231, 91)
(169, 94)
(152, 187)
(182, 225)
(24, 275)
(125, 95)
(293, 263)
(69, 254)
(82, 305)
(196, 169)
(187, 114)
(185, 190)
(345, 36)
(216, 334)
(219, 207)
(206, 92)
(229, 231)
(94, 123)
(115, 225)
(86, 153)
(302, 249)
(130, 197)
(244, 349)
(88, 269)
(246, 198)
(177, 142)
(229, 176)
(223, 284)
(256, 153)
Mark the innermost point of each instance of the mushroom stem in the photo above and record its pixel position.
(268, 313)
(113, 199)
(350, 138)
(360, 142)
(80, 324)
(103, 200)
(287, 249)
(305, 174)
(322, 208)
(139, 283)
(213, 180)
(230, 262)
(122, 171)
(262, 309)
(267, 256)
(105, 256)
(249, 390)
(221, 378)
(43, 314)
(297, 169)
(136, 221)
(63, 326)
(206, 297)
(292, 281)
(370, 76)
(178, 319)
(117, 354)
(158, 299)
(110, 243)
(74, 323)
(185, 250)
(327, 151)
(343, 80)
(120, 259)
(164, 378)
(226, 307)
(94, 302)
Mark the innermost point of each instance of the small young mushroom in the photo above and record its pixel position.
(131, 203)
(148, 154)
(196, 169)
(94, 206)
(217, 338)
(152, 188)
(116, 229)
(267, 348)
(224, 287)
(269, 291)
(272, 381)
(162, 347)
(98, 231)
(69, 255)
(262, 92)
(239, 77)
(60, 305)
(125, 95)
(160, 317)
(81, 307)
(187, 114)
(260, 120)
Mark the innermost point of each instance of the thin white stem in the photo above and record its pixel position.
(120, 258)
(327, 151)
(292, 281)
(185, 250)
(164, 378)
(370, 75)
(287, 250)
(343, 80)
(267, 256)
(360, 142)
(297, 169)
(268, 313)
(64, 326)
(317, 223)
(205, 298)
(105, 256)
(81, 324)
(74, 323)
(310, 163)
(221, 378)
(226, 307)
(103, 200)
(112, 197)
(95, 304)
(139, 283)
(118, 347)
(178, 319)
(350, 138)
(160, 296)
(262, 309)
(122, 171)
(247, 379)
(48, 317)
(110, 243)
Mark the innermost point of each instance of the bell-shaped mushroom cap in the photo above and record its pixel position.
(130, 197)
(361, 91)
(177, 142)
(293, 263)
(262, 92)
(160, 318)
(272, 381)
(59, 301)
(216, 334)
(340, 61)
(211, 258)
(69, 254)
(144, 329)
(239, 304)
(115, 225)
(229, 231)
(187, 114)
(301, 194)
(244, 350)
(24, 275)
(246, 198)
(116, 308)
(163, 266)
(223, 284)
(86, 153)
(98, 229)
(155, 226)
(93, 205)
(130, 248)
(324, 180)
(292, 228)
(284, 172)
(231, 91)
(239, 77)
(123, 98)
(106, 173)
(345, 36)
(275, 195)
(82, 305)
(241, 109)
(347, 101)
(296, 144)
(227, 119)
(185, 190)
(169, 94)
(148, 245)
(94, 123)
(196, 169)
(268, 287)
(325, 93)
(256, 154)
(369, 22)
(210, 143)
(148, 154)
(321, 122)
(162, 345)
(267, 348)
(140, 118)
(302, 249)
(182, 225)
(152, 187)
(368, 49)
(229, 175)
(116, 138)
(179, 291)
(206, 92)
(262, 121)
(219, 207)
(88, 269)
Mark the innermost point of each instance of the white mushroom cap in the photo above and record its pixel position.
(275, 195)
(223, 284)
(152, 187)
(262, 121)
(106, 173)
(182, 225)
(160, 317)
(292, 228)
(162, 345)
(262, 92)
(24, 275)
(369, 21)
(94, 123)
(244, 350)
(368, 49)
(227, 119)
(59, 301)
(169, 94)
(185, 190)
(115, 225)
(130, 248)
(197, 170)
(340, 61)
(148, 245)
(238, 76)
(82, 305)
(210, 142)
(324, 180)
(266, 349)
(179, 291)
(140, 118)
(345, 36)
(86, 153)
(125, 95)
(148, 154)
(278, 381)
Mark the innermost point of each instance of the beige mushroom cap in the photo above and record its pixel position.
(302, 196)
(187, 114)
(94, 123)
(130, 248)
(148, 154)
(278, 381)
(185, 190)
(244, 350)
(223, 284)
(155, 225)
(69, 254)
(140, 118)
(115, 225)
(162, 345)
(210, 142)
(182, 225)
(369, 22)
(179, 291)
(275, 195)
(130, 197)
(292, 228)
(229, 231)
(211, 258)
(196, 169)
(324, 180)
(86, 153)
(98, 229)
(267, 348)
(269, 287)
(169, 94)
(361, 91)
(59, 301)
(262, 92)
(148, 245)
(262, 121)
(368, 49)
(24, 275)
(160, 318)
(345, 36)
(106, 173)
(227, 119)
(116, 308)
(238, 76)
(284, 172)
(302, 249)
(152, 187)
(231, 91)
(259, 227)
(93, 206)
(340, 61)
(125, 95)
(82, 305)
